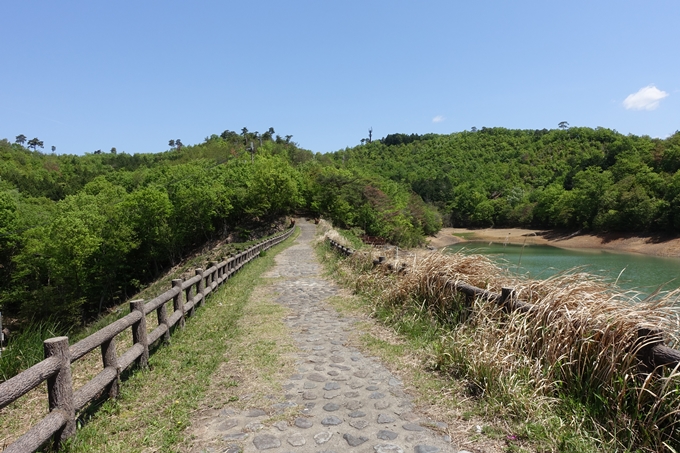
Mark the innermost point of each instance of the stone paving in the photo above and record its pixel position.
(344, 400)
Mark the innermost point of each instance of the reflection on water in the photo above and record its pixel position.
(640, 272)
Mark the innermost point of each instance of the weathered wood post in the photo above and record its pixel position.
(177, 303)
(200, 287)
(505, 301)
(212, 277)
(162, 314)
(188, 292)
(647, 339)
(139, 333)
(110, 359)
(60, 386)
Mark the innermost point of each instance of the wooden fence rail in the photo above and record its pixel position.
(64, 401)
(650, 346)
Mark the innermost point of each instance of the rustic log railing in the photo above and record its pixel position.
(64, 401)
(650, 347)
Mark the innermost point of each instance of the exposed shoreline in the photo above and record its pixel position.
(646, 245)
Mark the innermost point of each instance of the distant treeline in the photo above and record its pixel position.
(576, 178)
(81, 233)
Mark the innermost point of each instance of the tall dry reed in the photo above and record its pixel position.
(579, 343)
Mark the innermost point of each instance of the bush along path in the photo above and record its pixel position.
(331, 398)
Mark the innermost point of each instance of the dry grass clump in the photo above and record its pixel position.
(579, 344)
(326, 231)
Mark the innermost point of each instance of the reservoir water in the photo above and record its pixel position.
(631, 271)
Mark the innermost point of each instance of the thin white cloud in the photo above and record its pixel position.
(438, 119)
(646, 98)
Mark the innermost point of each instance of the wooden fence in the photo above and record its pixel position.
(650, 346)
(64, 402)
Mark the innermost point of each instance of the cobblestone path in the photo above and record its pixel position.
(344, 400)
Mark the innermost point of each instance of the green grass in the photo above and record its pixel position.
(154, 409)
(25, 348)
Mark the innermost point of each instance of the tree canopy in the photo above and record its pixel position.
(570, 177)
(80, 233)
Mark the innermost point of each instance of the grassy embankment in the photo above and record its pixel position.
(564, 379)
(155, 406)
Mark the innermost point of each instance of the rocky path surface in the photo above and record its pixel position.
(342, 400)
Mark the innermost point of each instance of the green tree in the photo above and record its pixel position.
(9, 241)
(228, 135)
(35, 143)
(268, 188)
(53, 270)
(589, 185)
(269, 134)
(149, 211)
(194, 193)
(111, 270)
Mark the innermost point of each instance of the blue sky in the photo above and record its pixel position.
(88, 75)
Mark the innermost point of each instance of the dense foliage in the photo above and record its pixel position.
(574, 178)
(81, 233)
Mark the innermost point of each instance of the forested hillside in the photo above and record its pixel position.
(81, 233)
(576, 178)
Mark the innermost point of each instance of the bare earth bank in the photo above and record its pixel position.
(647, 245)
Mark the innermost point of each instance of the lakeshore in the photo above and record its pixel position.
(646, 245)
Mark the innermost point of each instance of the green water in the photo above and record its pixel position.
(630, 271)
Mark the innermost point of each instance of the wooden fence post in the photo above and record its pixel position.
(110, 359)
(200, 286)
(506, 301)
(189, 295)
(212, 277)
(647, 338)
(60, 386)
(177, 300)
(139, 333)
(162, 314)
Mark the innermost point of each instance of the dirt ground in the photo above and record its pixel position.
(647, 245)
